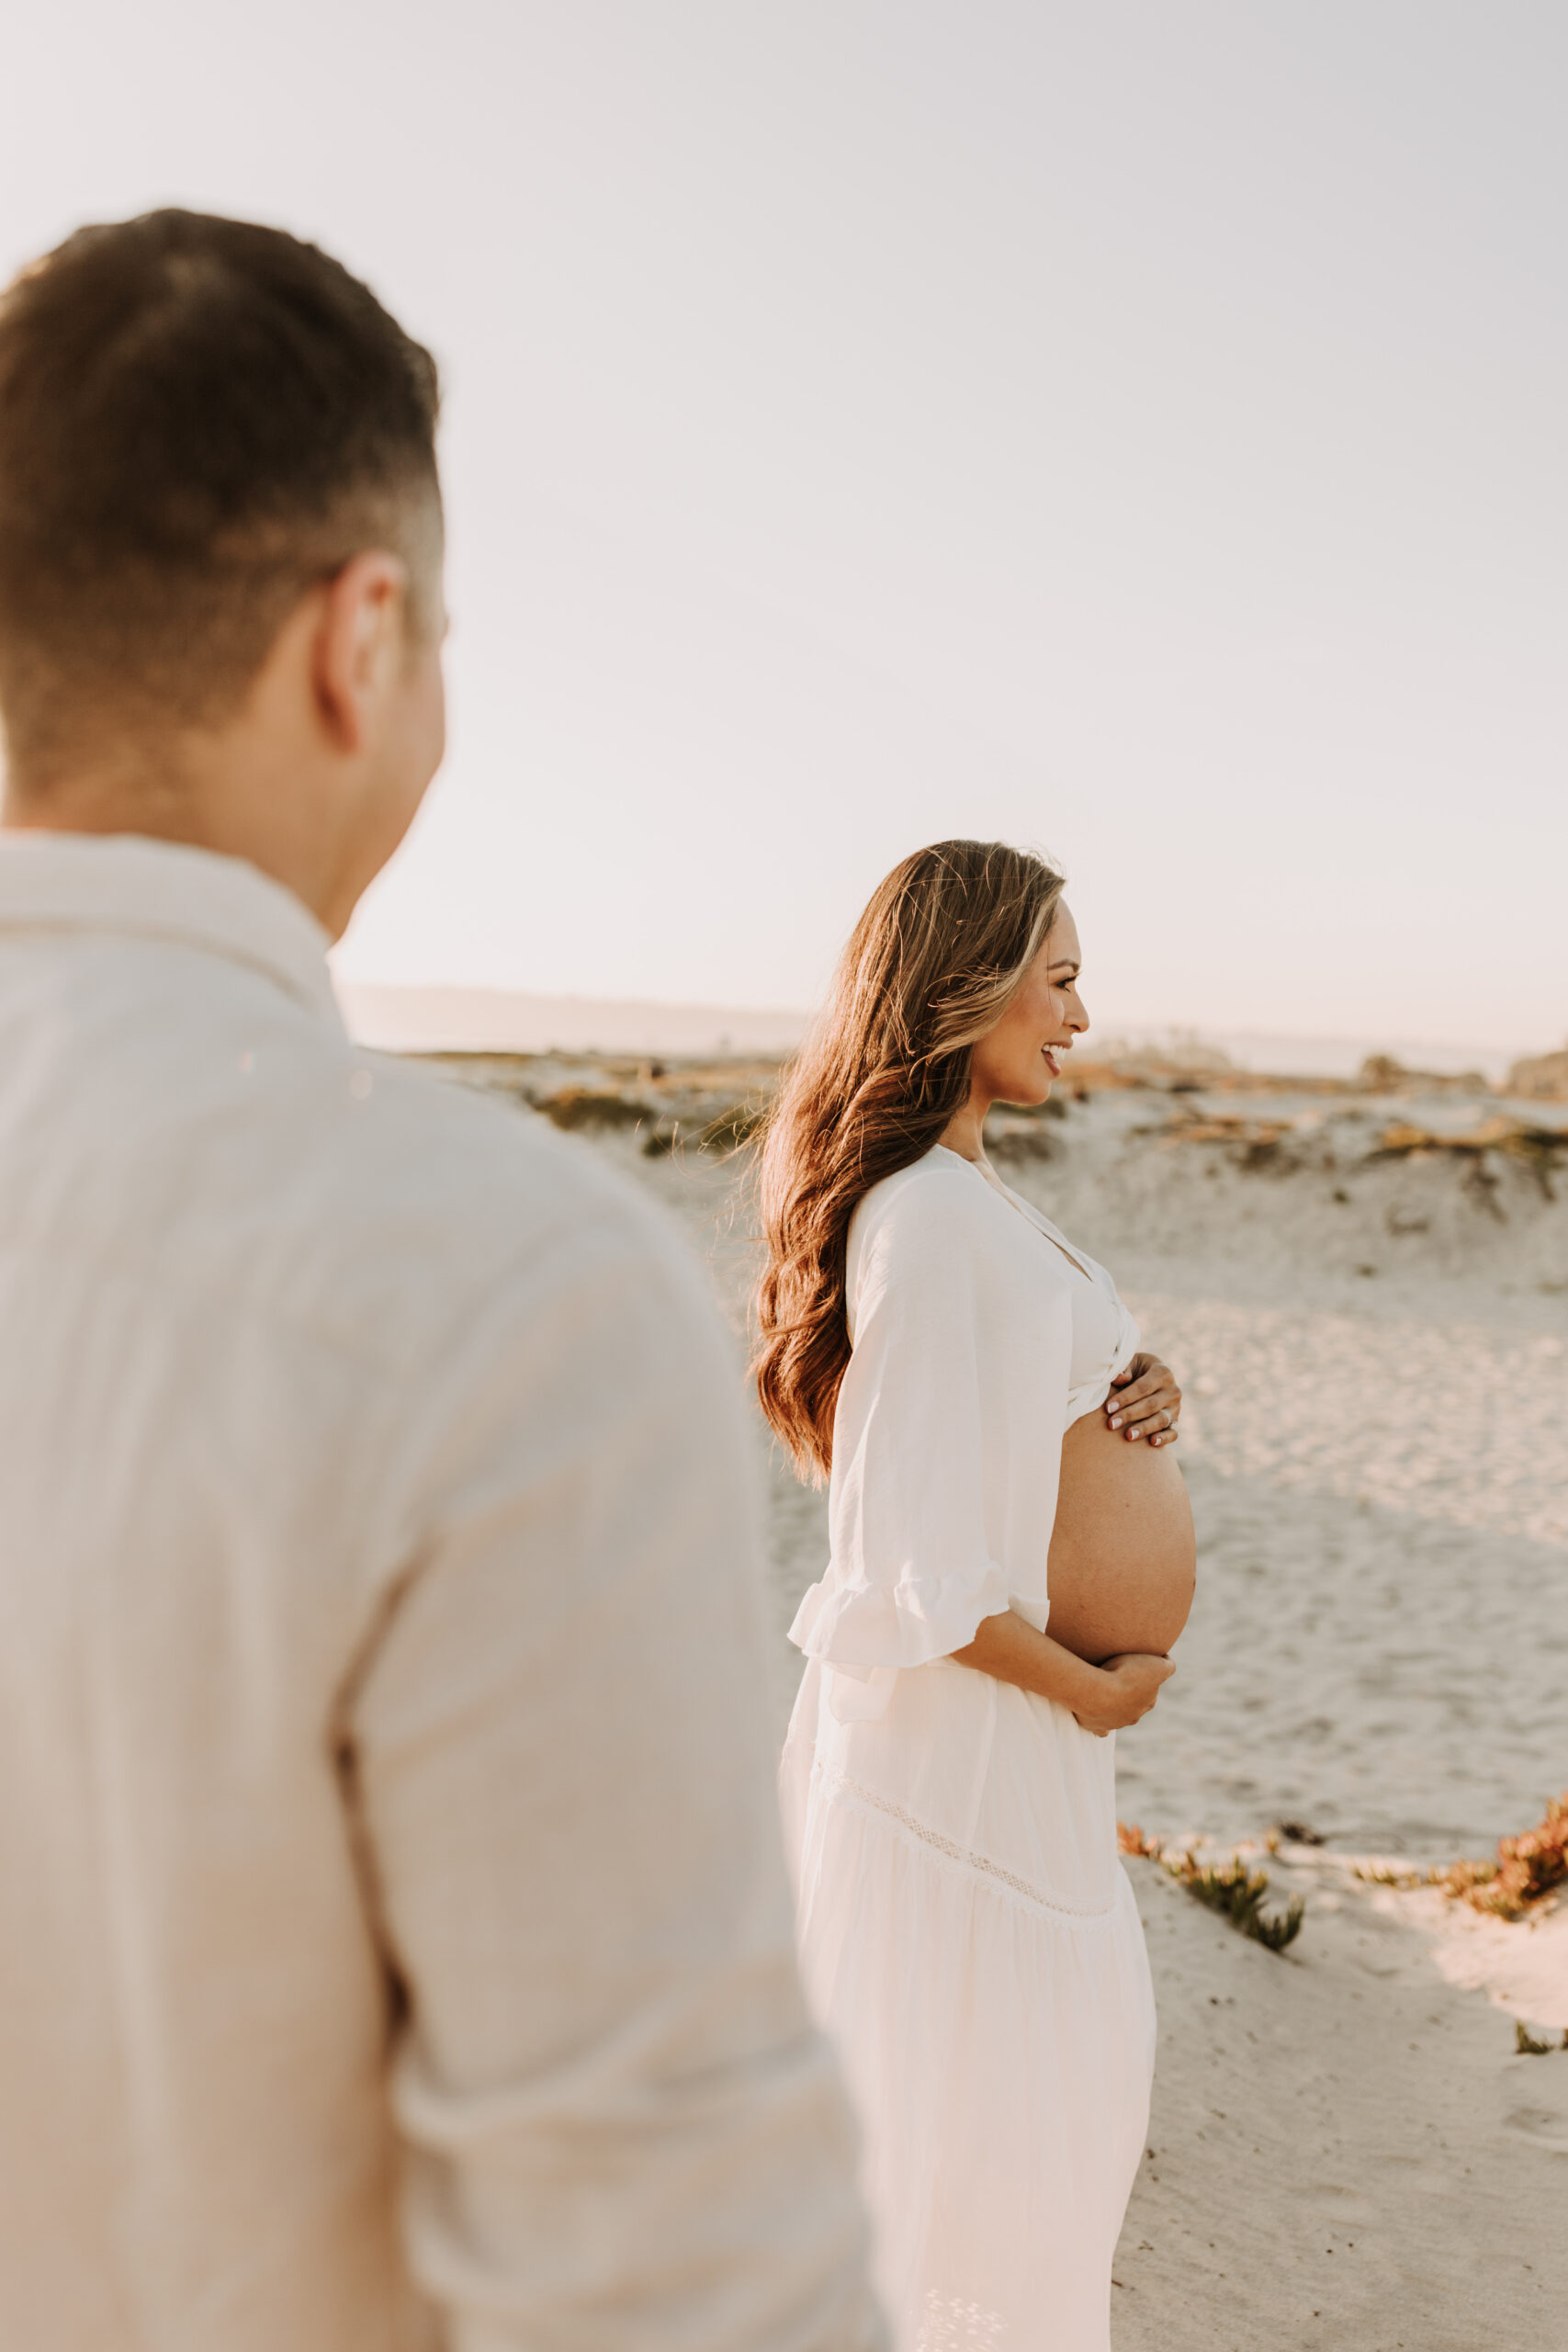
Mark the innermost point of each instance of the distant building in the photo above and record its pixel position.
(1545, 1079)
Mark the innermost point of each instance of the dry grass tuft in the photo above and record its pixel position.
(727, 1131)
(594, 1110)
(1238, 1894)
(733, 1127)
(1537, 1148)
(1280, 1146)
(1269, 1146)
(1229, 1888)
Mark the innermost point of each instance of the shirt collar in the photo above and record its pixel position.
(156, 889)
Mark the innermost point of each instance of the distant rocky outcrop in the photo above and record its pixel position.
(1383, 1074)
(1542, 1079)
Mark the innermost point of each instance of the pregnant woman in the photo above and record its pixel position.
(999, 1462)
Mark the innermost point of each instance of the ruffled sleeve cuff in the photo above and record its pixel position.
(864, 1628)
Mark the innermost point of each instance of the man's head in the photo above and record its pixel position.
(220, 605)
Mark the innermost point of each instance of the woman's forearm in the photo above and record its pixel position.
(1011, 1649)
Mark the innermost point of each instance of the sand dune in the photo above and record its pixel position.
(1349, 2151)
(1346, 2150)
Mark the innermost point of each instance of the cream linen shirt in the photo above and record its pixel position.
(394, 1943)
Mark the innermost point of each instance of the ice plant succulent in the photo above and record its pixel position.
(1230, 1888)
(1526, 1868)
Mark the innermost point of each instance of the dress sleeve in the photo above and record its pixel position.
(912, 1572)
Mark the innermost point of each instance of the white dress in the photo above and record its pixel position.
(968, 1935)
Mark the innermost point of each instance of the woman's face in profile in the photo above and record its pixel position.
(1019, 1058)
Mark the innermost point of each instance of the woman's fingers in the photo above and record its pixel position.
(1144, 1378)
(1149, 1405)
(1144, 1401)
(1132, 1403)
(1149, 1414)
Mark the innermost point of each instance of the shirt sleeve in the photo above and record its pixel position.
(622, 2133)
(913, 1568)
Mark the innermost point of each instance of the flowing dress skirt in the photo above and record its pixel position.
(970, 1941)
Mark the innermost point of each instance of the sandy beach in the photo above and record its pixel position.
(1344, 2150)
(1347, 2147)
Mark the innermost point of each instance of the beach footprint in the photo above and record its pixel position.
(1544, 2126)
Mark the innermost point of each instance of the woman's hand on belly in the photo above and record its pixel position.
(1144, 1401)
(1130, 1687)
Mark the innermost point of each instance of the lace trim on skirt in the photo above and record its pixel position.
(950, 2323)
(839, 1789)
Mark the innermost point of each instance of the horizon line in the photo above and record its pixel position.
(452, 1016)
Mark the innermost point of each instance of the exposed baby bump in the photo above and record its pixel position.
(1123, 1559)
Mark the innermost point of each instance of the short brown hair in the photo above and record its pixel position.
(198, 417)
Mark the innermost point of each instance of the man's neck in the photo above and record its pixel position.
(172, 804)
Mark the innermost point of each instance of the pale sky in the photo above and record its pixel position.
(1134, 428)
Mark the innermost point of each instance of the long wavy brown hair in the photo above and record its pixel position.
(930, 966)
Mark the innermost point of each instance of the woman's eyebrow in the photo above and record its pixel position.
(1068, 966)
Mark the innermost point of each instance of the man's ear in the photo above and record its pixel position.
(358, 644)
